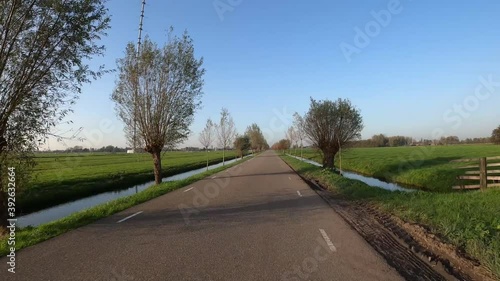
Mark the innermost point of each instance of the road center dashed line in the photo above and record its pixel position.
(298, 192)
(131, 216)
(327, 240)
(289, 178)
(191, 188)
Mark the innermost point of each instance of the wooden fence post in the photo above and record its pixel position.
(483, 173)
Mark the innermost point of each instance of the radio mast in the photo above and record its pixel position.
(137, 78)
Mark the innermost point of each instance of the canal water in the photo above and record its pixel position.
(368, 180)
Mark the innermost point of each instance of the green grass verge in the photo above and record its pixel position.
(421, 167)
(29, 236)
(469, 220)
(61, 178)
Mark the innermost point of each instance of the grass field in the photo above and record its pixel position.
(470, 220)
(60, 178)
(422, 167)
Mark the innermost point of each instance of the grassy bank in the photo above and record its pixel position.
(60, 178)
(422, 167)
(469, 220)
(29, 236)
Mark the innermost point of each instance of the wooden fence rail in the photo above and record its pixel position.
(487, 178)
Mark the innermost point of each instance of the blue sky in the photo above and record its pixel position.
(418, 74)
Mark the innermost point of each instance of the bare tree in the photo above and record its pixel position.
(291, 136)
(225, 131)
(298, 122)
(330, 125)
(45, 48)
(161, 88)
(207, 136)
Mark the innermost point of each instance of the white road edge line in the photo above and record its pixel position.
(131, 216)
(188, 189)
(327, 240)
(214, 177)
(298, 192)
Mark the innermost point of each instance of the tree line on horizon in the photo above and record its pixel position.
(285, 144)
(382, 140)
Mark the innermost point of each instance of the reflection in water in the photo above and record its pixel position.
(368, 180)
(66, 209)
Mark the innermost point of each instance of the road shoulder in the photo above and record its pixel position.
(410, 249)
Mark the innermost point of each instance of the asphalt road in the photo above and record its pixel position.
(255, 221)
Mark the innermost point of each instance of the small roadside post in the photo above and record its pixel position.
(483, 173)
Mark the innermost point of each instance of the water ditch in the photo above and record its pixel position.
(368, 180)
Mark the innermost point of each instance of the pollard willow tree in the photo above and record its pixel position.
(159, 89)
(330, 125)
(45, 48)
(226, 131)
